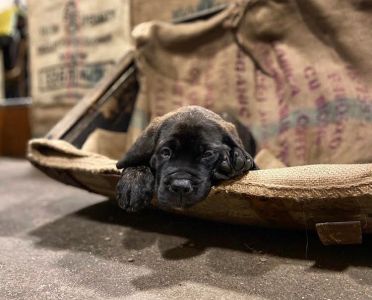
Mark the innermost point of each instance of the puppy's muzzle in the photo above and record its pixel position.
(181, 189)
(180, 186)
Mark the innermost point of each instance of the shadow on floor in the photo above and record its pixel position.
(200, 235)
(183, 244)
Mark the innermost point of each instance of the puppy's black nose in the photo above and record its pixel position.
(180, 186)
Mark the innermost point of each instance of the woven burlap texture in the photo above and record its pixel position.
(302, 182)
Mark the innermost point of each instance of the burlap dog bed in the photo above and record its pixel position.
(292, 197)
(297, 78)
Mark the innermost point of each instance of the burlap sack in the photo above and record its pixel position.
(76, 47)
(172, 10)
(295, 72)
(73, 45)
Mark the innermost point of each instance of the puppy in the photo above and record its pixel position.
(179, 157)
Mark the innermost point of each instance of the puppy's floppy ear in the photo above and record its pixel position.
(237, 160)
(232, 139)
(240, 133)
(141, 151)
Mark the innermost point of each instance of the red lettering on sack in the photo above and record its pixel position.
(260, 86)
(341, 117)
(337, 86)
(241, 84)
(300, 137)
(287, 70)
(311, 76)
(321, 118)
(284, 123)
(363, 97)
(341, 109)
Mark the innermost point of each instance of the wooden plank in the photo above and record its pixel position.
(125, 91)
(340, 233)
(79, 110)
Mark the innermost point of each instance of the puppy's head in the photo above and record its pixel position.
(188, 151)
(185, 157)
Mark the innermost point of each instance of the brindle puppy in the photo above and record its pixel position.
(179, 157)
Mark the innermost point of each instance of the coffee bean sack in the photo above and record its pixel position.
(296, 72)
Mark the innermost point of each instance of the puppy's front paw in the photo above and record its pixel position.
(241, 161)
(234, 163)
(135, 188)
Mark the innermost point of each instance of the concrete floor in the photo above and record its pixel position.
(57, 242)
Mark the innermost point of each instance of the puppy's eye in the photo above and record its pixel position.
(208, 154)
(166, 152)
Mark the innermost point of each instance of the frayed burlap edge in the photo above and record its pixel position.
(303, 182)
(61, 155)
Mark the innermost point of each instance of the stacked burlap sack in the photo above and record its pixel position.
(296, 73)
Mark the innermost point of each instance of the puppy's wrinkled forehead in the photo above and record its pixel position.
(190, 131)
